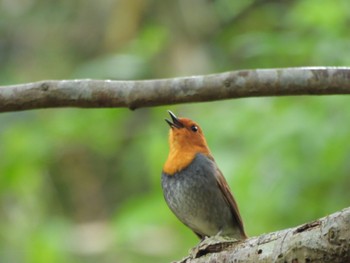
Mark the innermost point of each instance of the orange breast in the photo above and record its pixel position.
(180, 159)
(177, 162)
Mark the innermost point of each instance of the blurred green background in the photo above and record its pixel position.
(83, 185)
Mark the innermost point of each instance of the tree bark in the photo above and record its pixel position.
(324, 240)
(145, 93)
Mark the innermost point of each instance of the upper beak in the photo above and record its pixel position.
(176, 123)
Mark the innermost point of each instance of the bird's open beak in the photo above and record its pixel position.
(176, 123)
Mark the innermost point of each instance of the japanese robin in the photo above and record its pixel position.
(194, 187)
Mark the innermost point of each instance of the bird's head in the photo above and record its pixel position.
(186, 140)
(185, 135)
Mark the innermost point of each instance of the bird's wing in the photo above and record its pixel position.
(225, 189)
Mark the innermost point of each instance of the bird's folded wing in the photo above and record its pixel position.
(224, 187)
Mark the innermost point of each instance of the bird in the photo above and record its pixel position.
(194, 187)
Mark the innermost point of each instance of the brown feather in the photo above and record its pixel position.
(225, 189)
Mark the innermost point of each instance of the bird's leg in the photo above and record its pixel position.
(212, 244)
(218, 238)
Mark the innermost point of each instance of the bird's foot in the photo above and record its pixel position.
(212, 244)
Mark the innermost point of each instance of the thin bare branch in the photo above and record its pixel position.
(88, 93)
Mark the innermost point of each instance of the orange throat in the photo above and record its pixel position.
(180, 158)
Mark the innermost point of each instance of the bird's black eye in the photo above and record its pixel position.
(194, 128)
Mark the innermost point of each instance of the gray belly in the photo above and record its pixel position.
(195, 198)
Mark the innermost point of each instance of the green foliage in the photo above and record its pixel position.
(84, 185)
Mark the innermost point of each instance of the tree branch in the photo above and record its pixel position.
(145, 93)
(324, 240)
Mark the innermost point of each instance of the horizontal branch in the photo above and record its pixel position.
(324, 240)
(88, 93)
